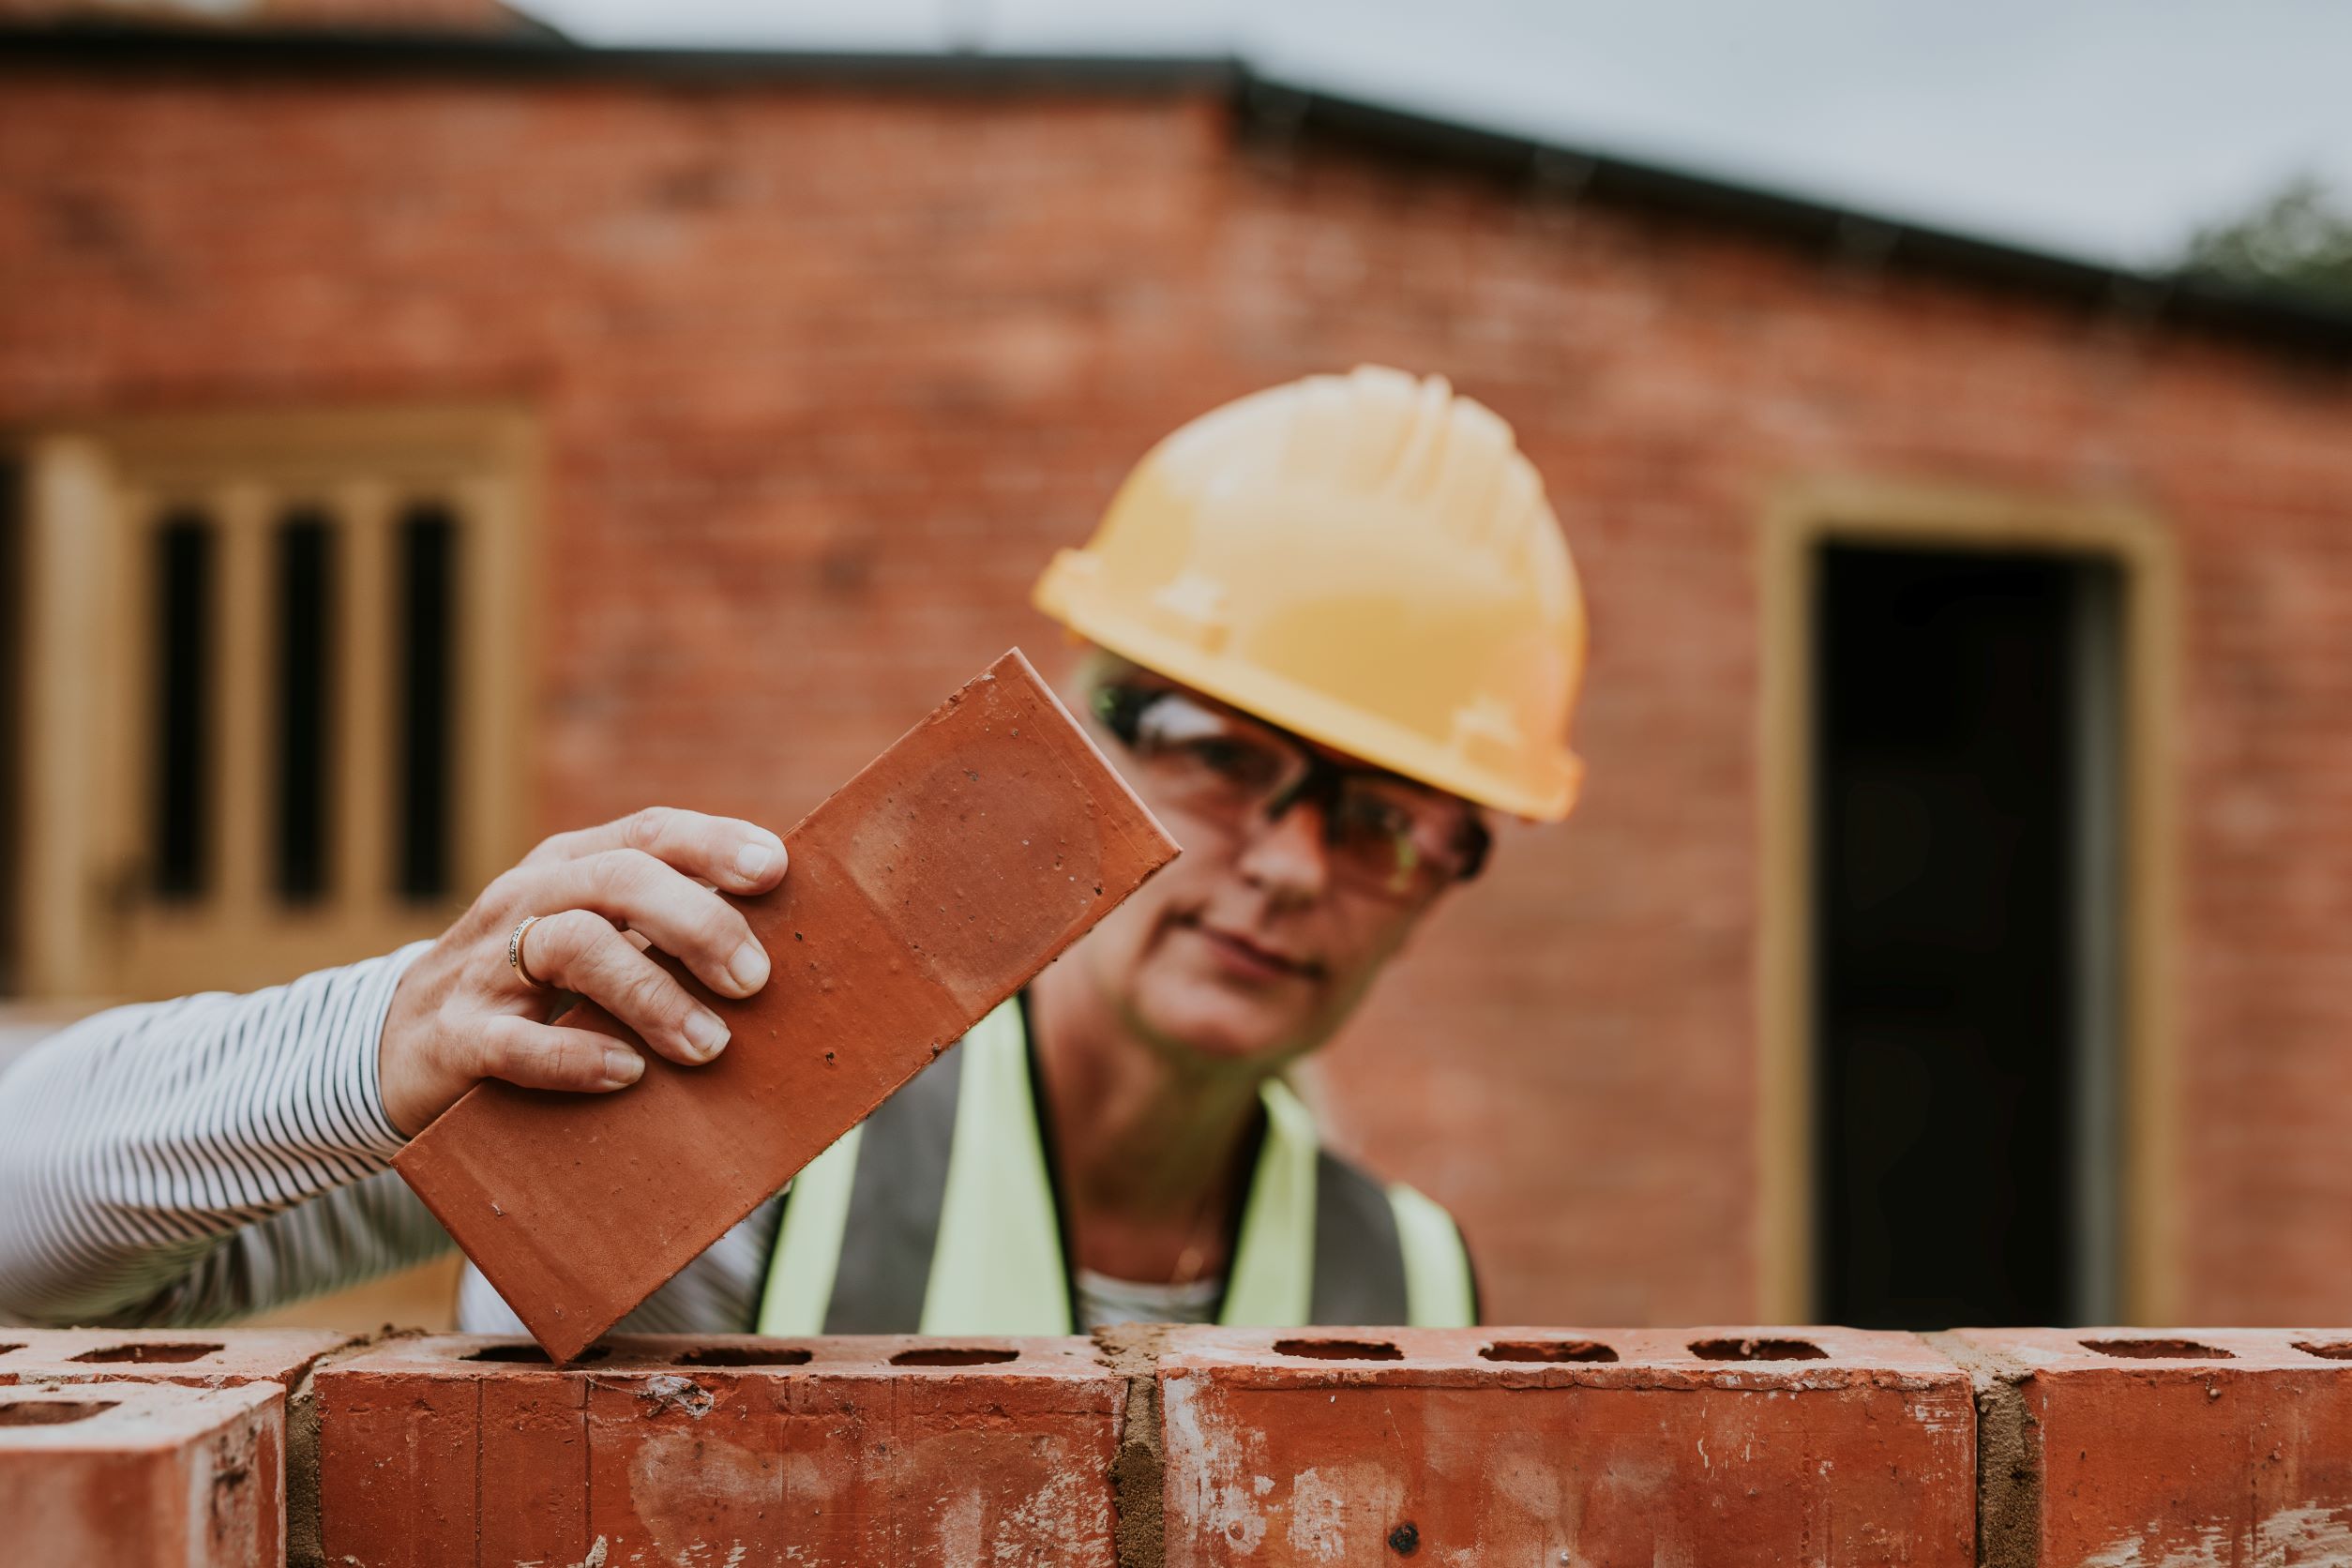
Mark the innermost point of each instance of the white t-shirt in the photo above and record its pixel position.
(1103, 1301)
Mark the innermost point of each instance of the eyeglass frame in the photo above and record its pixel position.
(1120, 705)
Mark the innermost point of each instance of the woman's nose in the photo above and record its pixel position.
(1287, 856)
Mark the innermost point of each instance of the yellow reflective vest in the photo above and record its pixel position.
(938, 1214)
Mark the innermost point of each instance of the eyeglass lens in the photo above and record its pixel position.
(1220, 764)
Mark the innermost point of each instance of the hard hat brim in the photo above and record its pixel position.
(1366, 736)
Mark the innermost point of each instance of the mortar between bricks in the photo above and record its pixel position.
(1138, 1475)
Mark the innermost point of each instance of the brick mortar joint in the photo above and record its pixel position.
(2008, 1447)
(1133, 1352)
(306, 1538)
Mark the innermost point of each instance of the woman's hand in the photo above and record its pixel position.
(461, 1013)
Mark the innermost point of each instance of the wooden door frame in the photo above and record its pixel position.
(1797, 523)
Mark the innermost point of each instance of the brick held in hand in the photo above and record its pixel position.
(923, 893)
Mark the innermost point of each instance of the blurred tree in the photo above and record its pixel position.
(2299, 237)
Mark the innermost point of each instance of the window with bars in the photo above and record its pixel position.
(305, 567)
(270, 715)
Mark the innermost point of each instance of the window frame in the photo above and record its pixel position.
(94, 491)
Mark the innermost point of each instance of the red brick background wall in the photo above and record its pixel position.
(825, 373)
(1668, 378)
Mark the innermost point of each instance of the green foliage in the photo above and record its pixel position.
(2300, 237)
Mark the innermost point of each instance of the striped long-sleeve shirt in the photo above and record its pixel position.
(190, 1162)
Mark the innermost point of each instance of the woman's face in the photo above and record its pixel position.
(1259, 940)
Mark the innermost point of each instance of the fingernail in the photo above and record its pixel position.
(706, 1034)
(755, 861)
(748, 968)
(623, 1065)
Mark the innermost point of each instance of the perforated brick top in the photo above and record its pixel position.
(199, 1357)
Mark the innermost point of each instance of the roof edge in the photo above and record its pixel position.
(1266, 106)
(103, 45)
(1275, 108)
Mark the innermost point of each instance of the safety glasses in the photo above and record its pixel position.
(1382, 834)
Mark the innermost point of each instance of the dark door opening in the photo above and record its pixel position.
(1965, 822)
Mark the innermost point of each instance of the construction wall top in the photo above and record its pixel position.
(1194, 1447)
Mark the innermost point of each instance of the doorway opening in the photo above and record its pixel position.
(1967, 832)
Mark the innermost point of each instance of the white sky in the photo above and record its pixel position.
(2107, 129)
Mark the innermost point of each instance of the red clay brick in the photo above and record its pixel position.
(2166, 1446)
(1419, 1442)
(207, 1358)
(142, 1475)
(926, 890)
(719, 1449)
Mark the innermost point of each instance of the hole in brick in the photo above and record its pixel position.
(745, 1355)
(1547, 1349)
(148, 1354)
(52, 1412)
(2334, 1350)
(5, 1349)
(1757, 1350)
(2156, 1349)
(952, 1355)
(1339, 1349)
(530, 1355)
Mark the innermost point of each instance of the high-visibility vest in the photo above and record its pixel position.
(937, 1215)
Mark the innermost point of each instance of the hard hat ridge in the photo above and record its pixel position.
(1366, 559)
(1378, 430)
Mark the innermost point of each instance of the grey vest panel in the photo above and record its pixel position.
(894, 1198)
(901, 1180)
(1359, 1262)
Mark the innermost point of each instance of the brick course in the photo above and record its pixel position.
(877, 1450)
(1159, 1448)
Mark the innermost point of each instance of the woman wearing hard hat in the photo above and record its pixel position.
(1332, 625)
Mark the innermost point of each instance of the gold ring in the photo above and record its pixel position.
(514, 953)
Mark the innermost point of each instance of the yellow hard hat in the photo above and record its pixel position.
(1365, 560)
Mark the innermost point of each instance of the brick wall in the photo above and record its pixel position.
(825, 372)
(1187, 1448)
(1668, 379)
